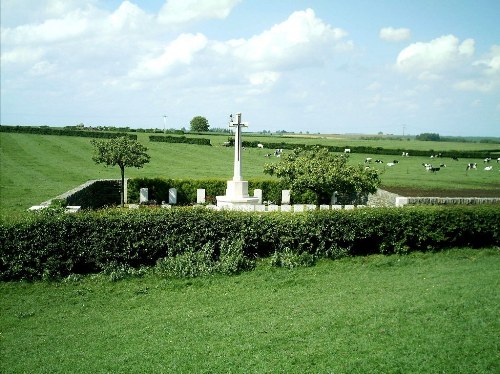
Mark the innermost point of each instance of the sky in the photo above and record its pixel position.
(319, 66)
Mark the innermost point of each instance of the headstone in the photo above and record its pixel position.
(143, 195)
(272, 208)
(336, 206)
(172, 196)
(258, 194)
(285, 197)
(260, 208)
(286, 208)
(298, 208)
(324, 207)
(200, 196)
(348, 207)
(334, 198)
(310, 207)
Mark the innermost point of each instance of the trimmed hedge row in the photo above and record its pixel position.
(63, 132)
(379, 150)
(56, 245)
(179, 139)
(186, 190)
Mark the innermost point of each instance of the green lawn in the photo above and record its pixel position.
(421, 313)
(35, 168)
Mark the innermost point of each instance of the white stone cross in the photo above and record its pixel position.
(237, 124)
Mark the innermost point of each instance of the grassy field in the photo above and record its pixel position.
(35, 168)
(421, 313)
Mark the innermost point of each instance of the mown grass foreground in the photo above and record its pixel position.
(425, 312)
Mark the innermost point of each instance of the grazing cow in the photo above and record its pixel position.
(426, 165)
(347, 150)
(368, 159)
(442, 165)
(487, 159)
(267, 155)
(433, 169)
(260, 146)
(278, 152)
(488, 168)
(472, 165)
(405, 154)
(396, 161)
(379, 161)
(454, 158)
(390, 164)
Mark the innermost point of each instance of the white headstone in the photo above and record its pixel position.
(200, 196)
(348, 207)
(258, 194)
(260, 208)
(143, 195)
(324, 207)
(298, 207)
(172, 196)
(334, 198)
(285, 197)
(336, 206)
(286, 208)
(310, 207)
(272, 208)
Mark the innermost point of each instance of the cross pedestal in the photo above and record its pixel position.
(237, 188)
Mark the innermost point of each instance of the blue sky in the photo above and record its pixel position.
(296, 65)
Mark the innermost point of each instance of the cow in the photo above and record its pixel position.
(433, 169)
(347, 150)
(368, 159)
(442, 165)
(488, 168)
(267, 155)
(498, 160)
(487, 159)
(260, 146)
(426, 165)
(379, 161)
(390, 164)
(471, 165)
(454, 158)
(396, 161)
(405, 154)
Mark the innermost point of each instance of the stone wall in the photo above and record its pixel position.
(382, 198)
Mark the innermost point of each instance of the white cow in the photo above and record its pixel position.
(347, 150)
(488, 168)
(260, 146)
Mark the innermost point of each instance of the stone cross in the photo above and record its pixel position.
(237, 124)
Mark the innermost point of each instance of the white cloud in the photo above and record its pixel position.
(184, 11)
(435, 56)
(181, 51)
(303, 39)
(391, 34)
(474, 85)
(491, 62)
(128, 15)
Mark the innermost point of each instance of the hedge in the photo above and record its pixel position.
(186, 190)
(56, 245)
(379, 150)
(45, 130)
(179, 139)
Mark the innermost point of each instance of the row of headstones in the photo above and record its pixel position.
(200, 196)
(284, 207)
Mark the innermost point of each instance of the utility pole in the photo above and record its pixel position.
(164, 123)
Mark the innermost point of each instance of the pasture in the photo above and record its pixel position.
(35, 168)
(432, 312)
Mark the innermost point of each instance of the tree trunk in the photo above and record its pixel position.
(122, 186)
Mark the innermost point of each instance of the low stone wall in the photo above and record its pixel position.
(382, 198)
(401, 201)
(69, 194)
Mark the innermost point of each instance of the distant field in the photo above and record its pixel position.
(35, 168)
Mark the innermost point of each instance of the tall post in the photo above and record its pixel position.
(237, 124)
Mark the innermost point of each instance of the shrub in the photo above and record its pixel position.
(54, 245)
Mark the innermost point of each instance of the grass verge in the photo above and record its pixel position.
(432, 312)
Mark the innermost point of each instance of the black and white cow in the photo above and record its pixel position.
(471, 165)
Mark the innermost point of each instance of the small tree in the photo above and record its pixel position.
(199, 124)
(122, 151)
(318, 170)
